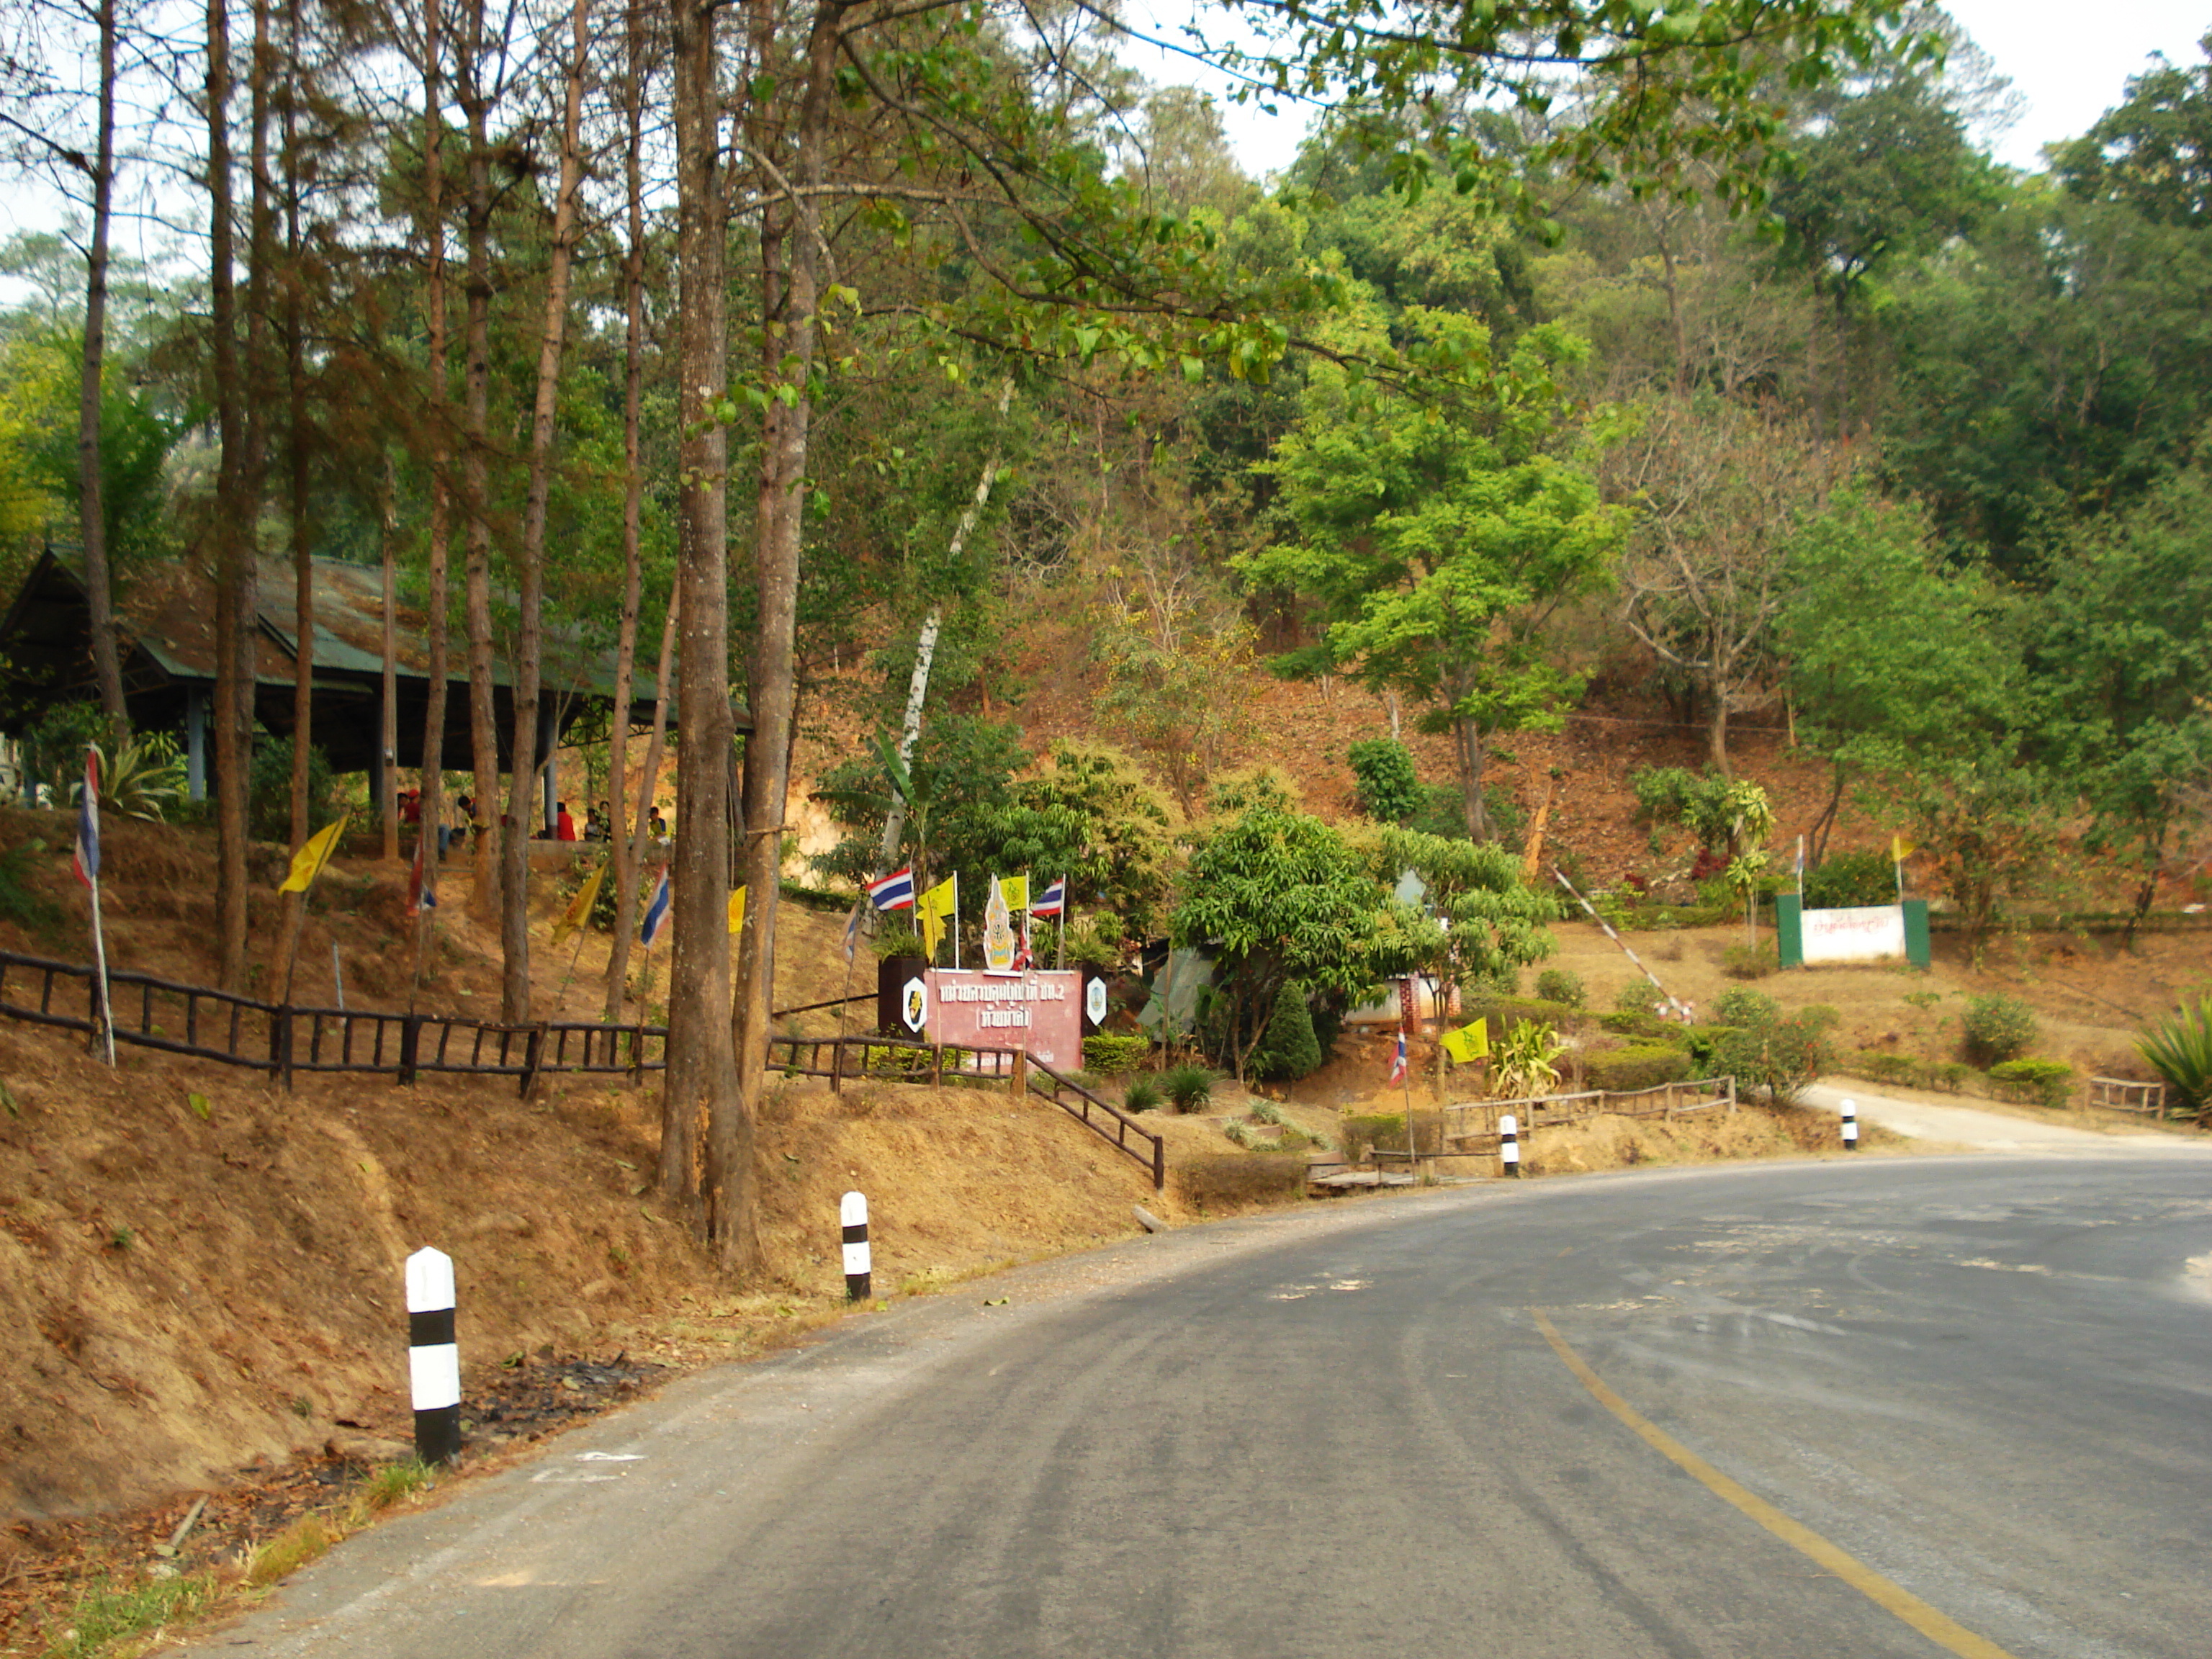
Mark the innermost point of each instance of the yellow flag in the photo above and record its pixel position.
(1900, 849)
(931, 909)
(1469, 1042)
(1015, 890)
(738, 911)
(580, 908)
(315, 853)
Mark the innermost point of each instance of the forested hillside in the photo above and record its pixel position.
(916, 391)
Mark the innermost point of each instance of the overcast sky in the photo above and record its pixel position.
(2069, 62)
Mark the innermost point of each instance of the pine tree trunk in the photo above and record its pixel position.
(791, 249)
(303, 565)
(433, 803)
(623, 849)
(99, 577)
(232, 531)
(701, 1080)
(791, 239)
(631, 851)
(529, 655)
(483, 719)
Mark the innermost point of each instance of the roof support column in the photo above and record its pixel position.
(196, 713)
(548, 734)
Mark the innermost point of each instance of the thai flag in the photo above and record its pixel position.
(656, 913)
(1054, 900)
(1398, 1060)
(85, 859)
(894, 892)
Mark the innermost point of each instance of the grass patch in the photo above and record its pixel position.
(306, 1540)
(387, 1486)
(105, 1615)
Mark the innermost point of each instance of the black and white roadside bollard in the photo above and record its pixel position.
(852, 1212)
(1509, 1146)
(1851, 1126)
(434, 1361)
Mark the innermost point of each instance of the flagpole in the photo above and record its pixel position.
(956, 921)
(1406, 1082)
(100, 965)
(87, 861)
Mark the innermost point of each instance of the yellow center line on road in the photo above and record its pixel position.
(1938, 1627)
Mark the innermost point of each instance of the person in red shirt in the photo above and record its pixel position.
(564, 827)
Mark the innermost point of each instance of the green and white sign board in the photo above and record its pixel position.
(1870, 932)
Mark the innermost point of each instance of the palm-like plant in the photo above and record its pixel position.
(145, 778)
(2180, 1051)
(1524, 1057)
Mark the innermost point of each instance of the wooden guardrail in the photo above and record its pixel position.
(1461, 1135)
(284, 1039)
(1094, 1114)
(2120, 1094)
(895, 1060)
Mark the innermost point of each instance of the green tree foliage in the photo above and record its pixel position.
(1288, 1049)
(1088, 813)
(1389, 789)
(1282, 900)
(1436, 539)
(960, 783)
(2152, 151)
(1477, 923)
(2121, 652)
(1910, 677)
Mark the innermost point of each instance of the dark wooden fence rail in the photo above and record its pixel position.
(843, 1059)
(283, 1040)
(892, 1060)
(1094, 1114)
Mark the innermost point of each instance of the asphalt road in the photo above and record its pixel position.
(1848, 1408)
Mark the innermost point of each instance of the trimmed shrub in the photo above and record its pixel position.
(1879, 1065)
(1288, 1049)
(1843, 881)
(1359, 1136)
(1997, 1028)
(1701, 1043)
(2045, 1082)
(1558, 985)
(1740, 1006)
(1780, 1057)
(1647, 1065)
(1112, 1055)
(1188, 1088)
(1646, 1025)
(1821, 1016)
(1638, 996)
(1750, 961)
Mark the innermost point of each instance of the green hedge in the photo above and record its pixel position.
(1645, 1066)
(2043, 1082)
(1112, 1055)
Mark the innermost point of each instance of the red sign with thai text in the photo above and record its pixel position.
(1040, 1012)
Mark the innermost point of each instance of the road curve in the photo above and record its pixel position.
(1878, 1407)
